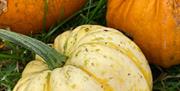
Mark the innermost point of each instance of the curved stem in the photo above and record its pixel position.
(50, 55)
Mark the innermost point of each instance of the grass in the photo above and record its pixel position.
(13, 58)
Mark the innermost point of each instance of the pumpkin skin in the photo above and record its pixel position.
(99, 59)
(26, 16)
(153, 25)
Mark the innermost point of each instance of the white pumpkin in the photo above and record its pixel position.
(99, 59)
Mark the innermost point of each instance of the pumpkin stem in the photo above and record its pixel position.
(50, 55)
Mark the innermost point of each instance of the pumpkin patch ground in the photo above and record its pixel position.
(14, 58)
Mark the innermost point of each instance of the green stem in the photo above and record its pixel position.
(50, 55)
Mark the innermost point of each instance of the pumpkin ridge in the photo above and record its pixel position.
(47, 85)
(104, 83)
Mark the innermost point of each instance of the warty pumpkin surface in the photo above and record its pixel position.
(98, 59)
(27, 16)
(154, 25)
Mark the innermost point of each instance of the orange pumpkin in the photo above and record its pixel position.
(27, 16)
(153, 24)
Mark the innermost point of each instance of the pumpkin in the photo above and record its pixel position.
(88, 58)
(154, 25)
(31, 16)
